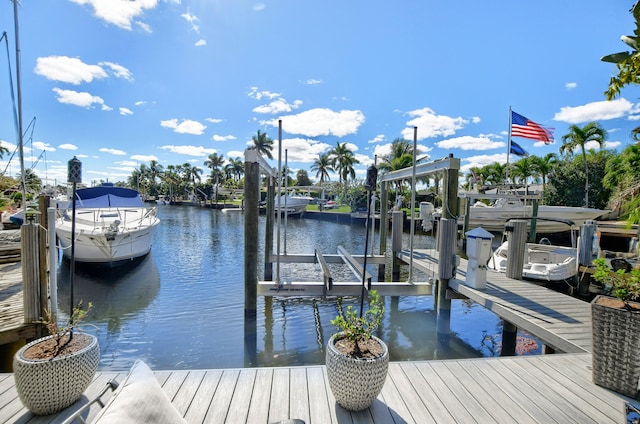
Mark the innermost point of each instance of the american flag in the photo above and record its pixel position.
(523, 127)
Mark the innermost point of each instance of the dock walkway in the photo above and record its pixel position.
(561, 321)
(527, 389)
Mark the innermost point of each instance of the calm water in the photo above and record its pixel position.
(182, 306)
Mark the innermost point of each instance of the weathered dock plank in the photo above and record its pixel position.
(531, 389)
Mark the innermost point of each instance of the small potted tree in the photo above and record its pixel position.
(616, 334)
(52, 372)
(356, 360)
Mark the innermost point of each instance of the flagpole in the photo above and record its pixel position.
(508, 149)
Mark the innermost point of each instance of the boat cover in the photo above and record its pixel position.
(108, 197)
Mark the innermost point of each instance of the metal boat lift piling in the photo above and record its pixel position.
(447, 241)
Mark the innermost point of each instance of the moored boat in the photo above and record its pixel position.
(112, 225)
(292, 204)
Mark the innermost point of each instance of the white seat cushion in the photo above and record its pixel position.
(139, 399)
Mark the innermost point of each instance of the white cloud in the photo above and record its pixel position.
(144, 158)
(82, 99)
(118, 70)
(39, 145)
(213, 120)
(145, 27)
(258, 7)
(258, 95)
(470, 143)
(595, 111)
(382, 150)
(112, 151)
(235, 154)
(192, 19)
(313, 81)
(68, 69)
(201, 42)
(377, 139)
(199, 151)
(316, 122)
(187, 126)
(301, 149)
(570, 85)
(217, 137)
(118, 12)
(482, 160)
(68, 146)
(125, 111)
(278, 106)
(431, 125)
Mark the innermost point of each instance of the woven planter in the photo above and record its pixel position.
(616, 348)
(355, 382)
(48, 386)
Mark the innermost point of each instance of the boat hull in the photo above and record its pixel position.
(96, 247)
(542, 262)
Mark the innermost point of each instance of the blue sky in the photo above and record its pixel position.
(121, 82)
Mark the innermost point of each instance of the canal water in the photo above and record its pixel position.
(182, 307)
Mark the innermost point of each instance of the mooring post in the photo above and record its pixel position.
(251, 212)
(384, 226)
(43, 204)
(268, 238)
(30, 271)
(509, 339)
(447, 241)
(587, 237)
(517, 237)
(396, 242)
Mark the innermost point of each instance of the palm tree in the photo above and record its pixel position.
(400, 157)
(214, 161)
(236, 167)
(579, 137)
(543, 166)
(263, 144)
(342, 160)
(523, 169)
(321, 166)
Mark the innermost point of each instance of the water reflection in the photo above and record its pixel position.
(116, 293)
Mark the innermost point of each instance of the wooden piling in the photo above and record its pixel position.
(586, 255)
(384, 226)
(268, 238)
(30, 271)
(447, 242)
(516, 235)
(251, 212)
(509, 339)
(396, 242)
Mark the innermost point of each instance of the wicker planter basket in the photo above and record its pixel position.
(616, 348)
(355, 383)
(48, 386)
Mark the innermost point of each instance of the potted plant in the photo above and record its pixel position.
(356, 360)
(52, 372)
(616, 334)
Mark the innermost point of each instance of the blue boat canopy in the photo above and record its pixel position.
(108, 196)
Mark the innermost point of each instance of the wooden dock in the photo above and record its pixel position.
(532, 389)
(561, 321)
(12, 326)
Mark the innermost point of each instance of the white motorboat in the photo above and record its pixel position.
(292, 204)
(543, 262)
(112, 224)
(493, 217)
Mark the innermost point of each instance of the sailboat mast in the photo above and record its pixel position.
(18, 81)
(506, 171)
